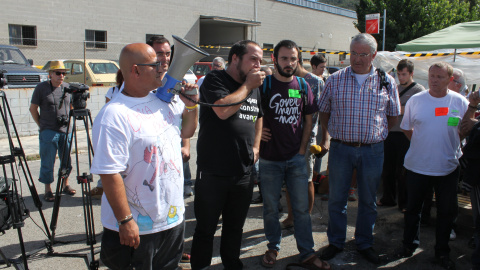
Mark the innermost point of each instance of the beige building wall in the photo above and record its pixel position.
(60, 31)
(129, 21)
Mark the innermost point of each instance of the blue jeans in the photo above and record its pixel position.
(294, 173)
(342, 159)
(51, 142)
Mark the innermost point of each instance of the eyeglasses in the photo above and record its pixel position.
(58, 73)
(361, 55)
(156, 65)
(218, 66)
(456, 81)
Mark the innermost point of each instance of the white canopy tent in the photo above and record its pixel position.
(469, 64)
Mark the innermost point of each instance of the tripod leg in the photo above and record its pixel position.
(22, 247)
(62, 176)
(5, 259)
(18, 152)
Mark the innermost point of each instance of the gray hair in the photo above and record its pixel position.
(461, 78)
(220, 60)
(366, 39)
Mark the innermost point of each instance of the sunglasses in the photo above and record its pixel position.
(58, 73)
(156, 65)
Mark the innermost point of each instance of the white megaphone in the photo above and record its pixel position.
(185, 55)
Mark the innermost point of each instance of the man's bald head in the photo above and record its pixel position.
(133, 54)
(138, 66)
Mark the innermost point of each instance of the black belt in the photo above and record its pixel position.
(354, 144)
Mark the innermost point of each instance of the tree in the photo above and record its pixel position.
(410, 19)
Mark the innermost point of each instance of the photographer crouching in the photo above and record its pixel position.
(55, 106)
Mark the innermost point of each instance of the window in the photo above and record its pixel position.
(266, 50)
(342, 57)
(103, 68)
(96, 39)
(22, 34)
(77, 68)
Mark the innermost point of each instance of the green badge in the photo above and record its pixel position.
(455, 111)
(453, 121)
(293, 93)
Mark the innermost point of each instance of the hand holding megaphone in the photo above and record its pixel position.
(186, 54)
(254, 78)
(318, 151)
(191, 90)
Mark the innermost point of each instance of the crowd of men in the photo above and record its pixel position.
(402, 135)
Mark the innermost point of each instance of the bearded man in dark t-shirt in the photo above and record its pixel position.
(228, 145)
(288, 105)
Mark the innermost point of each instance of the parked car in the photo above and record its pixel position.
(96, 72)
(18, 70)
(332, 70)
(201, 69)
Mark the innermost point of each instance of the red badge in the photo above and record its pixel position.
(441, 111)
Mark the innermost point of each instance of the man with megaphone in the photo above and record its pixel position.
(136, 140)
(227, 147)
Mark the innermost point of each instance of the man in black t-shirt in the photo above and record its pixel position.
(55, 107)
(228, 146)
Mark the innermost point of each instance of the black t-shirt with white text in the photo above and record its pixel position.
(224, 147)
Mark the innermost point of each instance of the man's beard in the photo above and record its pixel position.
(283, 73)
(243, 75)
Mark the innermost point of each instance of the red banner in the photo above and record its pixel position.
(372, 22)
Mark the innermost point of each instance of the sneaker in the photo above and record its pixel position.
(257, 200)
(330, 252)
(471, 243)
(351, 195)
(96, 192)
(453, 235)
(370, 255)
(188, 191)
(445, 262)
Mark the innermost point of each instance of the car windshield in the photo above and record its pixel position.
(103, 68)
(12, 56)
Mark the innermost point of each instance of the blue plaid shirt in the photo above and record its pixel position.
(359, 113)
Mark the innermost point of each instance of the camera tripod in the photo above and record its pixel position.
(84, 180)
(14, 201)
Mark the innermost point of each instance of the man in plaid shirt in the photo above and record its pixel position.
(357, 111)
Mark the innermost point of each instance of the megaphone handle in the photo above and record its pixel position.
(178, 89)
(192, 92)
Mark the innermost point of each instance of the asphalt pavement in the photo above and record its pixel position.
(70, 230)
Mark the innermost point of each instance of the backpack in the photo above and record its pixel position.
(267, 87)
(382, 75)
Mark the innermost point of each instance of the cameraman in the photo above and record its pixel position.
(52, 120)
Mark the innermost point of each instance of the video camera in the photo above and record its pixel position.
(79, 95)
(3, 80)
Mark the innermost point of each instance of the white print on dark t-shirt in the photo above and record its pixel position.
(245, 109)
(286, 109)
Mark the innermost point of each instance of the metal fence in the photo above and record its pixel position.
(46, 50)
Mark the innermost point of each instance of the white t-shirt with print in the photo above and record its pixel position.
(435, 145)
(114, 91)
(140, 139)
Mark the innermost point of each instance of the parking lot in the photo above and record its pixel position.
(70, 231)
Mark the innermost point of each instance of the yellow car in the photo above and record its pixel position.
(95, 72)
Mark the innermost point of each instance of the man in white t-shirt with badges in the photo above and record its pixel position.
(136, 139)
(431, 123)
